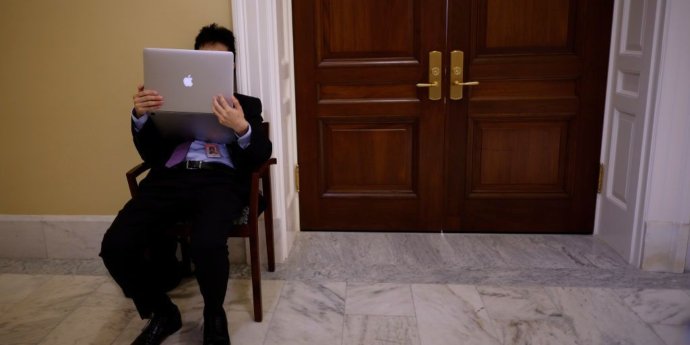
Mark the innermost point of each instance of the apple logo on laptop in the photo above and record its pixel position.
(187, 81)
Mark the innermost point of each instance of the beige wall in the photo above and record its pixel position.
(68, 70)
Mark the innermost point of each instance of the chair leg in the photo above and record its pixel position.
(270, 251)
(256, 276)
(268, 224)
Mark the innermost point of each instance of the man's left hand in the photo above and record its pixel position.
(230, 116)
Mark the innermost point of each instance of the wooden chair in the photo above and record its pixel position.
(246, 225)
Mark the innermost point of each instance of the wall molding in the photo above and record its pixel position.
(265, 70)
(68, 237)
(666, 244)
(657, 237)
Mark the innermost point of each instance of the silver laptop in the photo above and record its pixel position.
(188, 80)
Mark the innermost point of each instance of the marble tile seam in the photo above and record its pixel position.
(632, 311)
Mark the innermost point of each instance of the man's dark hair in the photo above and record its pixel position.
(215, 34)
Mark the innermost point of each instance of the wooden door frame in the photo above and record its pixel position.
(257, 26)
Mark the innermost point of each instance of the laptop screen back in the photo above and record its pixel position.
(188, 80)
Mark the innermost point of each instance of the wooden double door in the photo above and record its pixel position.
(518, 152)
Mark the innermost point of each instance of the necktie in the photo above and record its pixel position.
(179, 154)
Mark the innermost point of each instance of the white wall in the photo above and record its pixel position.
(667, 213)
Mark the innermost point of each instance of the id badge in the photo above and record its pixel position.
(212, 150)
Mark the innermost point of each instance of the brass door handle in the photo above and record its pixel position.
(469, 83)
(434, 84)
(456, 75)
(435, 68)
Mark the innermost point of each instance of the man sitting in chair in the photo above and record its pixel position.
(210, 196)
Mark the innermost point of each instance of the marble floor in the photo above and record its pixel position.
(378, 289)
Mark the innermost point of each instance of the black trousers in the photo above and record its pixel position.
(140, 256)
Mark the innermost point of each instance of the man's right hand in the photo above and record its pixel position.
(146, 101)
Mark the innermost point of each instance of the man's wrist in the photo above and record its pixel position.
(243, 129)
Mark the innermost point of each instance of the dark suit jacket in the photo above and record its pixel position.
(156, 149)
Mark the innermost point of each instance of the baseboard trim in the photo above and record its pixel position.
(665, 247)
(67, 237)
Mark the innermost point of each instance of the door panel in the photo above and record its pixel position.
(523, 25)
(518, 156)
(519, 152)
(363, 169)
(527, 161)
(362, 123)
(350, 29)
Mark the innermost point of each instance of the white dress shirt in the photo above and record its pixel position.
(197, 152)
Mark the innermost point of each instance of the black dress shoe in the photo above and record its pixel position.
(216, 329)
(160, 327)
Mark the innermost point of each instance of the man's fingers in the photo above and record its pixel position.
(148, 98)
(148, 105)
(236, 103)
(217, 106)
(146, 93)
(149, 93)
(218, 111)
(151, 103)
(155, 97)
(222, 101)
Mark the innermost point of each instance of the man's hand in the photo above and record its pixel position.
(230, 116)
(146, 101)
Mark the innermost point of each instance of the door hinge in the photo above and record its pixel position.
(600, 184)
(297, 178)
